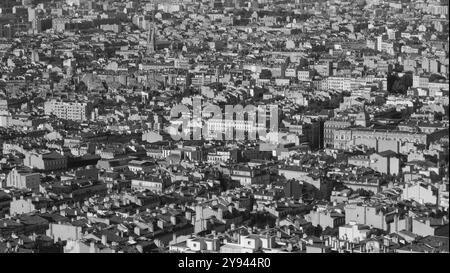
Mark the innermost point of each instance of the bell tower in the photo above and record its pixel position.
(363, 118)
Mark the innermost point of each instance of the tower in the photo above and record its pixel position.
(151, 39)
(151, 35)
(362, 119)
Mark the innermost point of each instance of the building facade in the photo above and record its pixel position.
(23, 180)
(70, 110)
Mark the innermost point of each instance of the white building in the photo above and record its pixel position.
(198, 244)
(354, 232)
(70, 110)
(23, 180)
(154, 184)
(249, 244)
(421, 193)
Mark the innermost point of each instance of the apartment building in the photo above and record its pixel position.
(70, 110)
(345, 138)
(329, 127)
(248, 176)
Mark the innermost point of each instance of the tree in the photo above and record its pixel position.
(399, 85)
(364, 193)
(318, 231)
(265, 74)
(81, 87)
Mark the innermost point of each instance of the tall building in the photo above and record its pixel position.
(379, 42)
(293, 188)
(151, 39)
(31, 14)
(70, 110)
(36, 26)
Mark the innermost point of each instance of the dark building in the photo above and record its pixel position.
(293, 189)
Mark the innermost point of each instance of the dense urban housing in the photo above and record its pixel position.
(224, 126)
